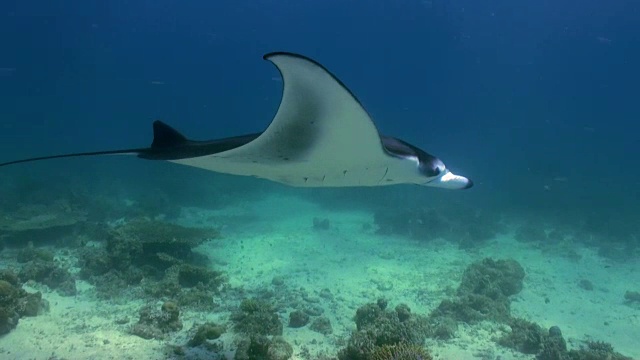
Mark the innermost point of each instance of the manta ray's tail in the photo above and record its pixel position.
(163, 140)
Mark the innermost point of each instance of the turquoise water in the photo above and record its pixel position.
(533, 101)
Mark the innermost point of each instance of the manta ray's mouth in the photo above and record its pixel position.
(449, 180)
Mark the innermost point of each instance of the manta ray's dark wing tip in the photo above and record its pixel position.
(270, 55)
(276, 53)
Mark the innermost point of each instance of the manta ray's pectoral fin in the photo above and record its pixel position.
(320, 136)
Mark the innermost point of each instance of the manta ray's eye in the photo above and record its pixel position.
(432, 168)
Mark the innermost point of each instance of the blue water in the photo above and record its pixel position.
(512, 94)
(536, 101)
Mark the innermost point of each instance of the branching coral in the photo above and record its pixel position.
(401, 351)
(379, 328)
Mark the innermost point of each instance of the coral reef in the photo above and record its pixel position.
(596, 350)
(41, 267)
(322, 325)
(257, 317)
(158, 253)
(495, 279)
(378, 327)
(401, 351)
(260, 347)
(529, 338)
(204, 332)
(40, 223)
(483, 293)
(466, 227)
(554, 347)
(15, 302)
(525, 336)
(189, 285)
(298, 319)
(154, 324)
(30, 253)
(155, 243)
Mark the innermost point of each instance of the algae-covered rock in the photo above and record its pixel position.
(10, 277)
(256, 317)
(298, 319)
(554, 347)
(279, 349)
(525, 336)
(253, 348)
(154, 324)
(473, 308)
(483, 293)
(204, 332)
(8, 320)
(156, 244)
(39, 222)
(368, 314)
(191, 286)
(260, 347)
(321, 325)
(15, 302)
(30, 253)
(157, 237)
(596, 350)
(442, 327)
(50, 274)
(157, 256)
(360, 346)
(495, 279)
(632, 297)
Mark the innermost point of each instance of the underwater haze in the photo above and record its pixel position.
(535, 101)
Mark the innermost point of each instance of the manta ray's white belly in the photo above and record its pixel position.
(312, 174)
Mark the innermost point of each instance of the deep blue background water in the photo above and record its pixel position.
(515, 94)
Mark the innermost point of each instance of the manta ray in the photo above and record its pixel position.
(321, 136)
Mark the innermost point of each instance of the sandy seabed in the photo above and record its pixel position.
(358, 266)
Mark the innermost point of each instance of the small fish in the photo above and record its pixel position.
(157, 82)
(7, 71)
